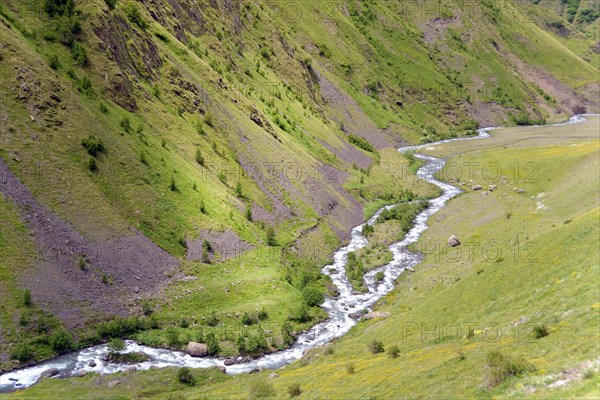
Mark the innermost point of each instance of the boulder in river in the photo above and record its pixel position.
(197, 349)
(50, 373)
(453, 241)
(92, 363)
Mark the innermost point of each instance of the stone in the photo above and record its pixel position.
(130, 368)
(453, 241)
(377, 314)
(92, 364)
(273, 375)
(50, 372)
(114, 383)
(229, 361)
(476, 187)
(81, 373)
(196, 349)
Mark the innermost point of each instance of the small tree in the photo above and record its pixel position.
(202, 206)
(213, 344)
(91, 164)
(26, 297)
(61, 341)
(199, 157)
(238, 190)
(294, 390)
(393, 351)
(248, 212)
(312, 296)
(184, 375)
(376, 346)
(116, 345)
(22, 352)
(271, 239)
(173, 185)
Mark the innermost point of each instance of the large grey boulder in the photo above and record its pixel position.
(453, 241)
(197, 349)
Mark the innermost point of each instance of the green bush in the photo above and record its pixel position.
(361, 143)
(111, 4)
(184, 375)
(146, 307)
(116, 344)
(59, 7)
(368, 230)
(82, 263)
(312, 296)
(184, 323)
(79, 54)
(61, 341)
(212, 319)
(173, 339)
(91, 164)
(248, 213)
(199, 157)
(125, 124)
(133, 13)
(247, 319)
(300, 313)
(540, 331)
(22, 352)
(393, 351)
(213, 344)
(173, 185)
(501, 366)
(376, 346)
(53, 62)
(270, 235)
(350, 368)
(92, 145)
(27, 297)
(294, 390)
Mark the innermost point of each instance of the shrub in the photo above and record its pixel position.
(86, 85)
(105, 279)
(213, 344)
(247, 319)
(238, 190)
(312, 296)
(199, 157)
(212, 319)
(300, 314)
(393, 351)
(82, 263)
(184, 375)
(125, 124)
(146, 307)
(202, 206)
(262, 314)
(92, 145)
(53, 62)
(116, 345)
(361, 143)
(111, 3)
(22, 352)
(260, 390)
(367, 230)
(208, 120)
(103, 108)
(173, 339)
(376, 346)
(248, 213)
(350, 368)
(540, 331)
(184, 323)
(287, 333)
(134, 15)
(91, 164)
(79, 54)
(27, 297)
(379, 277)
(59, 7)
(61, 341)
(173, 185)
(501, 366)
(270, 234)
(294, 390)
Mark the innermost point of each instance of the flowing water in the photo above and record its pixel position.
(341, 310)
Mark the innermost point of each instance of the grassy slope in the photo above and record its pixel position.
(501, 298)
(370, 39)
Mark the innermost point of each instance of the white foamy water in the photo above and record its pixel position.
(348, 303)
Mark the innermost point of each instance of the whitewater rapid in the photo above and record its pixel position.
(349, 302)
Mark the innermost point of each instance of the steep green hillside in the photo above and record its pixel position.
(186, 162)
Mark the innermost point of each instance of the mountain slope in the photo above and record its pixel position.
(220, 119)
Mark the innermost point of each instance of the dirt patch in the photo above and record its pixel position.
(224, 246)
(435, 30)
(131, 265)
